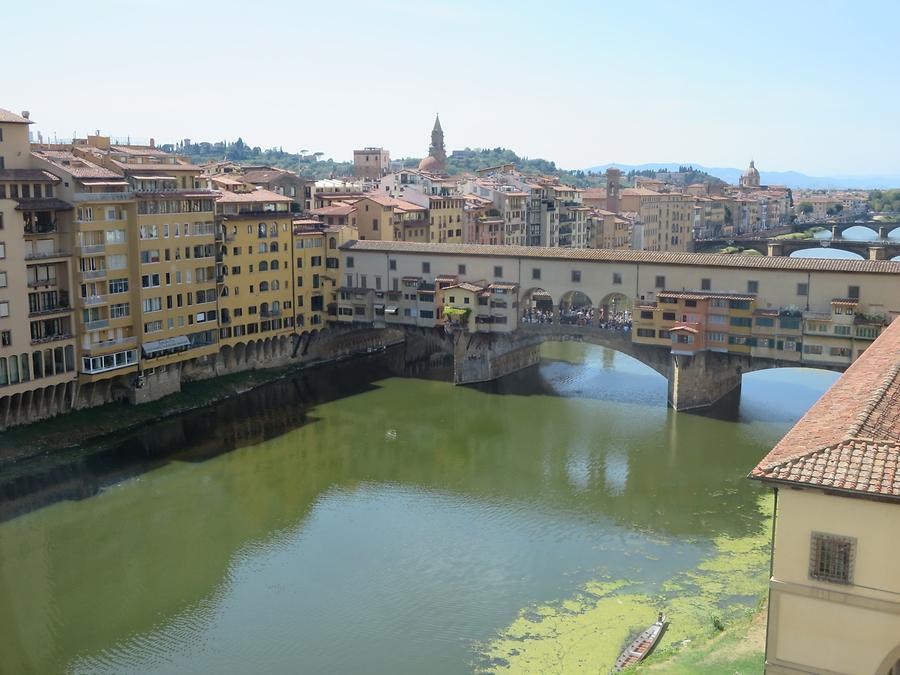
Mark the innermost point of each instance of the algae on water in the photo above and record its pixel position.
(587, 632)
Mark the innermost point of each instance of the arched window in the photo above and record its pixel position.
(263, 266)
(4, 374)
(273, 230)
(273, 247)
(70, 358)
(263, 286)
(276, 306)
(37, 365)
(332, 243)
(264, 308)
(273, 265)
(275, 285)
(262, 230)
(262, 248)
(224, 291)
(25, 367)
(13, 364)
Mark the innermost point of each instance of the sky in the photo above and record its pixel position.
(794, 85)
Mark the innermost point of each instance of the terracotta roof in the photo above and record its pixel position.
(48, 204)
(466, 286)
(628, 256)
(74, 165)
(144, 167)
(9, 117)
(30, 175)
(250, 197)
(505, 285)
(689, 329)
(850, 439)
(334, 210)
(704, 295)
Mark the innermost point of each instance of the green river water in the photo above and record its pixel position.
(351, 520)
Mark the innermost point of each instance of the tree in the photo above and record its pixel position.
(805, 208)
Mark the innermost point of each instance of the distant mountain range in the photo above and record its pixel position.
(792, 179)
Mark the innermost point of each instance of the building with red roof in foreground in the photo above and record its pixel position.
(834, 593)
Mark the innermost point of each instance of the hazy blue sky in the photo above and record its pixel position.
(811, 86)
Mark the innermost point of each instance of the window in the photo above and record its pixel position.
(150, 256)
(149, 281)
(536, 273)
(646, 332)
(461, 269)
(392, 264)
(498, 271)
(705, 284)
(646, 314)
(3, 283)
(119, 311)
(2, 250)
(660, 281)
(152, 305)
(766, 321)
(4, 309)
(117, 262)
(753, 287)
(831, 558)
(812, 349)
(617, 278)
(842, 330)
(426, 268)
(576, 276)
(349, 262)
(743, 321)
(153, 326)
(668, 316)
(6, 339)
(802, 289)
(853, 292)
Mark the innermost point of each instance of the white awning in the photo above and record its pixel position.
(151, 177)
(379, 306)
(167, 344)
(390, 309)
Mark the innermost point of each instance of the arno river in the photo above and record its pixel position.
(350, 520)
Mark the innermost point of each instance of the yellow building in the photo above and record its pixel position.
(106, 292)
(834, 593)
(255, 270)
(313, 282)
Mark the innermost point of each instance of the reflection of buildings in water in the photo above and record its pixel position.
(615, 471)
(609, 359)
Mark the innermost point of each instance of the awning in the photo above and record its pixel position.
(381, 307)
(155, 177)
(104, 182)
(156, 347)
(390, 309)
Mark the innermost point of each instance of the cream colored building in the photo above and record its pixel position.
(371, 163)
(37, 331)
(834, 593)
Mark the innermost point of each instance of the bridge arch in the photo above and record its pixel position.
(575, 300)
(615, 302)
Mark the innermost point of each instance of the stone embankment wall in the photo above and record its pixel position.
(309, 349)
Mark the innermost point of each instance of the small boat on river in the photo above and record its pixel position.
(642, 645)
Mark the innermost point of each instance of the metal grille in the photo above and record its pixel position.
(831, 558)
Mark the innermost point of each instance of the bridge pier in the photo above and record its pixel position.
(702, 380)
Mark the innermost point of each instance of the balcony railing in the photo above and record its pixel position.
(58, 309)
(270, 312)
(106, 344)
(96, 325)
(94, 274)
(44, 255)
(37, 283)
(92, 248)
(102, 196)
(92, 300)
(52, 338)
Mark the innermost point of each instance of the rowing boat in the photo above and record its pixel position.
(642, 645)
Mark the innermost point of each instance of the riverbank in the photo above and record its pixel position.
(70, 430)
(739, 649)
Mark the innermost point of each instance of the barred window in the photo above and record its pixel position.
(831, 558)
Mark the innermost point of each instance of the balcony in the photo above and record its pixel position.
(93, 274)
(92, 248)
(270, 312)
(47, 311)
(37, 283)
(103, 196)
(45, 255)
(40, 228)
(93, 300)
(52, 338)
(106, 344)
(96, 325)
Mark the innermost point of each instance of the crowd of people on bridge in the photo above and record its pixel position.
(581, 316)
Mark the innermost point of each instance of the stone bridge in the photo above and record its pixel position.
(881, 249)
(696, 382)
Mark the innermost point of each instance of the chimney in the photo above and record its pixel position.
(26, 114)
(152, 142)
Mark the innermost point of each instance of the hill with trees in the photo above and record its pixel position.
(885, 201)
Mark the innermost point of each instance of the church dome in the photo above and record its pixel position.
(430, 163)
(750, 177)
